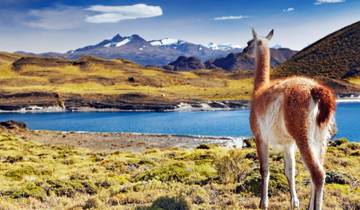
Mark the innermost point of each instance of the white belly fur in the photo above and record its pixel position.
(272, 127)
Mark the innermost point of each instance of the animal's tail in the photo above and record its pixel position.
(326, 103)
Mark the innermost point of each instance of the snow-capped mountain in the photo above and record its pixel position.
(223, 47)
(276, 46)
(166, 42)
(153, 52)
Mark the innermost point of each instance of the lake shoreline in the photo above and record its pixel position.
(193, 106)
(121, 141)
(209, 123)
(115, 141)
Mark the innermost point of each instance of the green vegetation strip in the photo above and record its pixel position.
(59, 177)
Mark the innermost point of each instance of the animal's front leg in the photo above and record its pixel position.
(263, 155)
(290, 174)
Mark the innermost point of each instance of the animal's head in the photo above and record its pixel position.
(258, 41)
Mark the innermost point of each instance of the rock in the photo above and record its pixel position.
(17, 101)
(131, 79)
(249, 143)
(13, 125)
(338, 142)
(183, 63)
(203, 146)
(337, 178)
(168, 67)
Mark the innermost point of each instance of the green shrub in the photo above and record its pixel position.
(30, 190)
(19, 172)
(232, 167)
(251, 184)
(171, 172)
(168, 203)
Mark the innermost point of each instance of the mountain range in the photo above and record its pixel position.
(246, 61)
(170, 53)
(153, 52)
(333, 60)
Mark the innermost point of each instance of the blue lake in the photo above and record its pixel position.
(214, 123)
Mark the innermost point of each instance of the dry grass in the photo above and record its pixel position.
(355, 80)
(125, 77)
(41, 176)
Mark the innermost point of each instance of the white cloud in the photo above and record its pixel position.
(113, 14)
(68, 17)
(58, 18)
(290, 9)
(231, 17)
(319, 2)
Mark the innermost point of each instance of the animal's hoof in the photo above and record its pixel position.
(263, 205)
(295, 204)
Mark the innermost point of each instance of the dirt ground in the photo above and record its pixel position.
(134, 142)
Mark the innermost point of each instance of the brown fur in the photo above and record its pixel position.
(327, 104)
(295, 95)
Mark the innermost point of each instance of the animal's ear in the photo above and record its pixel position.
(270, 35)
(255, 36)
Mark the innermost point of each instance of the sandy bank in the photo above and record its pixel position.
(136, 142)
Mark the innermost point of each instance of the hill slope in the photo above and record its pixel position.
(6, 57)
(332, 56)
(120, 84)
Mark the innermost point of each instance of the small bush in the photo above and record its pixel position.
(91, 203)
(339, 142)
(168, 203)
(233, 167)
(172, 172)
(277, 184)
(30, 190)
(20, 172)
(13, 159)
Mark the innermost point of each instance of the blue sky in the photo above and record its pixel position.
(61, 25)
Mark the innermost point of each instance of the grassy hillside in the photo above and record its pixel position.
(334, 56)
(6, 58)
(95, 82)
(59, 177)
(91, 75)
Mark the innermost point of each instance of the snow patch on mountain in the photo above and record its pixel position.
(166, 41)
(223, 47)
(118, 43)
(123, 42)
(277, 46)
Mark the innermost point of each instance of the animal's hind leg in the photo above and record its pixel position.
(262, 149)
(313, 163)
(290, 174)
(297, 114)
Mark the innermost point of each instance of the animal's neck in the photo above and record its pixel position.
(262, 73)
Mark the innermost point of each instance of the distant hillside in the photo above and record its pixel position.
(153, 52)
(333, 56)
(246, 61)
(6, 57)
(99, 83)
